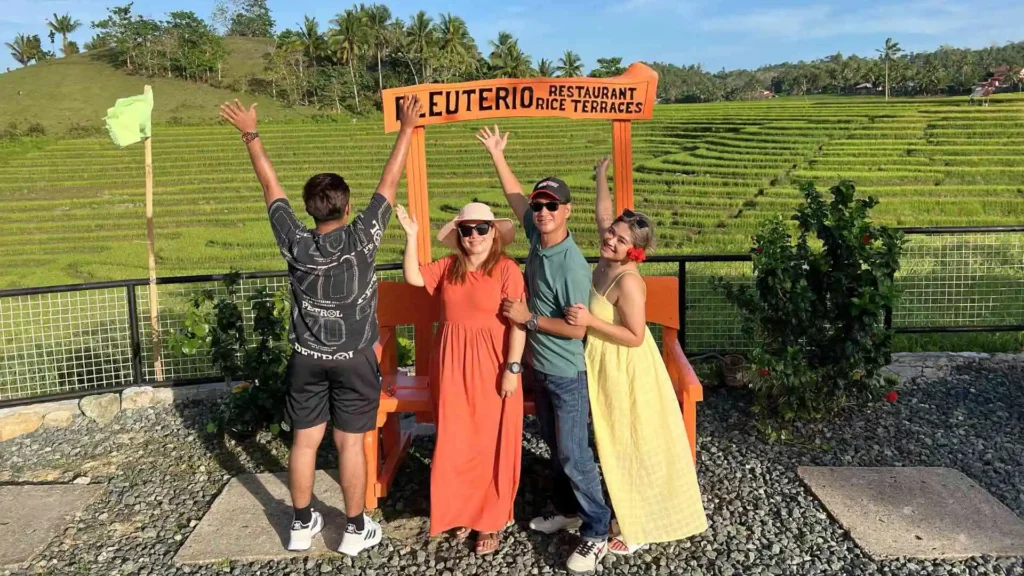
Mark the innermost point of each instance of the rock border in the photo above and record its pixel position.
(101, 407)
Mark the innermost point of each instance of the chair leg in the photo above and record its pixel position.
(370, 445)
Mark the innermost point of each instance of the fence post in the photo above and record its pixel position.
(133, 329)
(888, 309)
(681, 275)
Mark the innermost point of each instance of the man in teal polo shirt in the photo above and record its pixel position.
(557, 277)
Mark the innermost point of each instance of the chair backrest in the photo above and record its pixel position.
(663, 300)
(401, 304)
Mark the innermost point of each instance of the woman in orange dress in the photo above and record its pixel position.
(475, 472)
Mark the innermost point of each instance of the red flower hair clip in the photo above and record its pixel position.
(636, 254)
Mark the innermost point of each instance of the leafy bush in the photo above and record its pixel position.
(216, 324)
(816, 314)
(406, 352)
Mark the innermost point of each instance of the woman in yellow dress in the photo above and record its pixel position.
(638, 425)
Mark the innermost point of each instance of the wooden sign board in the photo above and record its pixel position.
(621, 99)
(627, 97)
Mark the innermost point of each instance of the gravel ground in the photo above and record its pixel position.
(162, 472)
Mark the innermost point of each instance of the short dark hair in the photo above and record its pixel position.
(326, 197)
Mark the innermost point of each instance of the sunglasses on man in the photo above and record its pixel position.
(550, 205)
(635, 218)
(482, 228)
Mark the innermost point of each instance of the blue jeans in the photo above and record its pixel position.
(563, 412)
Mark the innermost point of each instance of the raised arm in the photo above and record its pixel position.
(604, 211)
(408, 116)
(632, 312)
(495, 143)
(411, 261)
(246, 123)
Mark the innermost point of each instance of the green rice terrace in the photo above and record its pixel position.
(706, 173)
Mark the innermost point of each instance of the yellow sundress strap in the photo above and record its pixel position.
(616, 281)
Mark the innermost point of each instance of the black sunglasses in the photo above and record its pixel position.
(466, 230)
(550, 206)
(636, 218)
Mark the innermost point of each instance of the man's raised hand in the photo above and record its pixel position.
(495, 141)
(238, 116)
(409, 114)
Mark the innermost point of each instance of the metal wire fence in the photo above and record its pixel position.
(70, 340)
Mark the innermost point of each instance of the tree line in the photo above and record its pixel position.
(345, 62)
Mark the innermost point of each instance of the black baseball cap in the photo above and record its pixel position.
(554, 187)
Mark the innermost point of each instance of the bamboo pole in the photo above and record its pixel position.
(154, 307)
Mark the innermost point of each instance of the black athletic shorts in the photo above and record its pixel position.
(346, 392)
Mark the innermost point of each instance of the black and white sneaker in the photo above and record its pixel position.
(302, 534)
(587, 556)
(354, 541)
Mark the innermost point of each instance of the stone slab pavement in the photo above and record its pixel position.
(926, 513)
(251, 518)
(32, 515)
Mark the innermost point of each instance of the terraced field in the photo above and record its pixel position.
(706, 173)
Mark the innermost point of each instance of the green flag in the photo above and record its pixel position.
(131, 119)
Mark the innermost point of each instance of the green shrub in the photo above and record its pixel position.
(216, 324)
(406, 352)
(816, 313)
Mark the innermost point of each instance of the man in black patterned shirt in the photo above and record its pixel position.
(333, 373)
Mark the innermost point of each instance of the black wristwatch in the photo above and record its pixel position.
(248, 137)
(531, 324)
(514, 367)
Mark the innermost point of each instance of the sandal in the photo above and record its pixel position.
(487, 543)
(619, 547)
(461, 534)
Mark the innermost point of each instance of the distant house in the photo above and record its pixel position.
(763, 94)
(865, 88)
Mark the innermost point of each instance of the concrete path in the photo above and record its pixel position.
(32, 515)
(916, 512)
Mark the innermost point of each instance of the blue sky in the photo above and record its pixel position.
(737, 34)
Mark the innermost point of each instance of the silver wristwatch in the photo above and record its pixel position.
(514, 367)
(531, 324)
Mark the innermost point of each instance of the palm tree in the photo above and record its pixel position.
(570, 65)
(24, 49)
(512, 61)
(887, 55)
(422, 39)
(545, 68)
(377, 18)
(457, 47)
(499, 47)
(348, 41)
(63, 25)
(311, 40)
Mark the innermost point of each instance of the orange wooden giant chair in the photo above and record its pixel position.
(403, 305)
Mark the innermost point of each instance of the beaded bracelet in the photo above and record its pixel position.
(248, 137)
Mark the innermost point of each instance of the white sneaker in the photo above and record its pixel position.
(354, 542)
(587, 556)
(302, 534)
(552, 524)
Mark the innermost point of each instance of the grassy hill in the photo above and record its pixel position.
(79, 89)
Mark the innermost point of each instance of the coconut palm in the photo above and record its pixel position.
(422, 38)
(63, 25)
(887, 55)
(457, 49)
(500, 47)
(311, 40)
(348, 41)
(509, 61)
(378, 16)
(570, 65)
(545, 68)
(24, 49)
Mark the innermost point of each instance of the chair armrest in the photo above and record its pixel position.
(684, 378)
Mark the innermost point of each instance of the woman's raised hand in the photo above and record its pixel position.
(407, 221)
(602, 166)
(495, 141)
